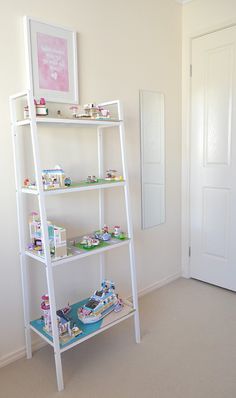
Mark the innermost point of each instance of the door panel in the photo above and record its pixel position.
(215, 229)
(213, 159)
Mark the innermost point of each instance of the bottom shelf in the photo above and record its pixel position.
(88, 330)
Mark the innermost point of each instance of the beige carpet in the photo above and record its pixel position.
(188, 350)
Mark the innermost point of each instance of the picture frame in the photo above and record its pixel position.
(51, 58)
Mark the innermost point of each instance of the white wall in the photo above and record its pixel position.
(199, 17)
(123, 46)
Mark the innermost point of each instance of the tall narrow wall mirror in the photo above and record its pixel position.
(152, 158)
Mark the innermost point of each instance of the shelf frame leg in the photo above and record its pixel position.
(21, 231)
(129, 227)
(46, 243)
(101, 197)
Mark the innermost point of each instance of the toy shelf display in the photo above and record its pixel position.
(49, 243)
(76, 251)
(75, 187)
(84, 319)
(88, 330)
(72, 122)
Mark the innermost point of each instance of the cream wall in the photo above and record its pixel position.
(123, 46)
(199, 17)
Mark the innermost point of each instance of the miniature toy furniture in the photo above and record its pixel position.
(130, 309)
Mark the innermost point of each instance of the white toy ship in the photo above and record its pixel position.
(100, 304)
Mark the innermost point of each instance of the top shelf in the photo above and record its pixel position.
(81, 122)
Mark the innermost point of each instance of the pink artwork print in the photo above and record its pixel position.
(52, 63)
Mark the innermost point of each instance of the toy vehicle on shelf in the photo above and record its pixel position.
(103, 234)
(111, 175)
(88, 242)
(91, 179)
(100, 304)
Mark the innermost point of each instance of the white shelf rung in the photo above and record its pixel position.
(18, 95)
(77, 254)
(89, 187)
(72, 122)
(42, 336)
(110, 325)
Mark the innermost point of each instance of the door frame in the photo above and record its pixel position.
(186, 142)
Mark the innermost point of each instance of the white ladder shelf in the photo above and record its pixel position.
(33, 122)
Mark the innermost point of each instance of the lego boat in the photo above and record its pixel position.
(100, 304)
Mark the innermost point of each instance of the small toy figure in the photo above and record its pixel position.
(74, 110)
(111, 176)
(67, 181)
(100, 304)
(76, 331)
(119, 305)
(26, 182)
(117, 230)
(26, 112)
(92, 179)
(104, 112)
(45, 307)
(105, 229)
(117, 233)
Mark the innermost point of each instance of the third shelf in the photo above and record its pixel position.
(80, 186)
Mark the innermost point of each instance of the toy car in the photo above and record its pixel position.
(88, 242)
(91, 179)
(67, 182)
(105, 236)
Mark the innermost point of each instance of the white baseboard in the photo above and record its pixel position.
(159, 284)
(21, 353)
(37, 344)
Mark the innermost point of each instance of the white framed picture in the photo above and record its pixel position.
(51, 56)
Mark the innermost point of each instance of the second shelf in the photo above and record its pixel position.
(76, 253)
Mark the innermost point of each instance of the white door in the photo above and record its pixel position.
(213, 159)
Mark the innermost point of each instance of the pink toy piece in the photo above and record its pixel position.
(74, 110)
